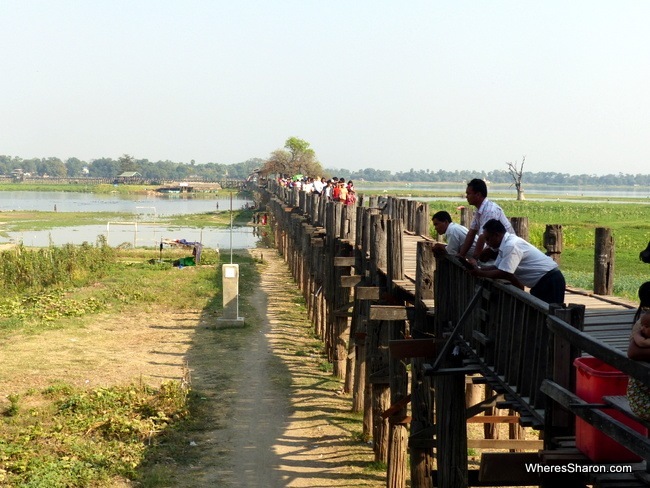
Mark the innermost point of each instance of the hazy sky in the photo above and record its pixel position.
(386, 84)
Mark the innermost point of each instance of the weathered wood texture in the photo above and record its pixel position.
(372, 285)
(553, 242)
(604, 262)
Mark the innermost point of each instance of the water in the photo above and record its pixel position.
(158, 204)
(143, 207)
(142, 235)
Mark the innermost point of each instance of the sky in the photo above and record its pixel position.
(423, 84)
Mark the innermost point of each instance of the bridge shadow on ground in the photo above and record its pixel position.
(262, 412)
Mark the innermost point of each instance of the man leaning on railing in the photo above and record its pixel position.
(522, 264)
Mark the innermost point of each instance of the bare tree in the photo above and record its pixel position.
(517, 173)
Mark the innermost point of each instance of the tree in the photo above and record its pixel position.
(127, 163)
(74, 167)
(296, 158)
(52, 167)
(104, 168)
(517, 173)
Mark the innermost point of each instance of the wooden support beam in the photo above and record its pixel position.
(343, 261)
(350, 281)
(412, 348)
(519, 444)
(493, 419)
(388, 312)
(367, 292)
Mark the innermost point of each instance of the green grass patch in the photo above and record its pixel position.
(65, 436)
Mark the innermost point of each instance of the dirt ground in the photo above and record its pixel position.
(274, 412)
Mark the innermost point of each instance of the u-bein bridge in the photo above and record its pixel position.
(412, 335)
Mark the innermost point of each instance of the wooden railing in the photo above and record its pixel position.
(349, 262)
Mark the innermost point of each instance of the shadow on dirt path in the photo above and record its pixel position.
(282, 421)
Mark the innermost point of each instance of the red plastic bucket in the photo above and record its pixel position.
(595, 379)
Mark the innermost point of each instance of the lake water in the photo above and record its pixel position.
(564, 192)
(163, 205)
(137, 233)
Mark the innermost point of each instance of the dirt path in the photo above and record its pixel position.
(285, 431)
(275, 418)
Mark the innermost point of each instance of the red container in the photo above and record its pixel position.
(595, 379)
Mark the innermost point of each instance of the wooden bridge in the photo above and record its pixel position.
(408, 332)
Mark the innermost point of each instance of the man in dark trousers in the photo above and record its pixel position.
(522, 264)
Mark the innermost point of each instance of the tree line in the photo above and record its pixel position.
(111, 168)
(298, 158)
(494, 176)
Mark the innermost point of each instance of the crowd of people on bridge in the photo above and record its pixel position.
(334, 189)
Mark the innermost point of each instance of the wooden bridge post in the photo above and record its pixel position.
(422, 219)
(294, 265)
(412, 206)
(604, 262)
(398, 376)
(520, 225)
(341, 323)
(358, 326)
(349, 223)
(395, 254)
(378, 257)
(349, 233)
(421, 387)
(307, 271)
(364, 388)
(554, 242)
(466, 216)
(302, 201)
(332, 235)
(558, 422)
(318, 246)
(378, 333)
(449, 394)
(313, 211)
(403, 212)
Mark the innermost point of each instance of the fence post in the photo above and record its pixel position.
(520, 225)
(466, 216)
(604, 262)
(554, 242)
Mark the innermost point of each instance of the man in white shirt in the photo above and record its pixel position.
(476, 194)
(319, 184)
(522, 264)
(454, 233)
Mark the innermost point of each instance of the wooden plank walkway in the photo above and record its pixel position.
(607, 318)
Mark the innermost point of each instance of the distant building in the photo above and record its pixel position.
(130, 174)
